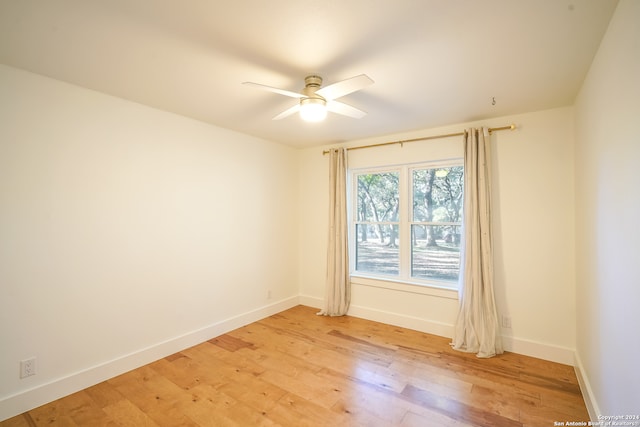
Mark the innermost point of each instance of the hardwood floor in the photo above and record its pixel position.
(299, 369)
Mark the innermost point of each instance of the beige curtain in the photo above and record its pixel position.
(338, 285)
(477, 329)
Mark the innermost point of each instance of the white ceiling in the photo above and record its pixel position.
(434, 62)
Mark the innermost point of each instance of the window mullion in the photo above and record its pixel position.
(405, 228)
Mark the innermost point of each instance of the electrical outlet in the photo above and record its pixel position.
(506, 322)
(27, 367)
(269, 294)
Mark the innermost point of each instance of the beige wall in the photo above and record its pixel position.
(607, 215)
(127, 232)
(533, 223)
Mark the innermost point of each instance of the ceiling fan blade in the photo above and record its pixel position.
(287, 112)
(274, 89)
(344, 87)
(345, 110)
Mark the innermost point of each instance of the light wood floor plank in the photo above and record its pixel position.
(299, 369)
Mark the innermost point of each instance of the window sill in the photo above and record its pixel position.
(397, 285)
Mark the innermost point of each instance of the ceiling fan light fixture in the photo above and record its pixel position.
(313, 109)
(313, 98)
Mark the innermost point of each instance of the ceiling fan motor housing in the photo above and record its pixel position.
(314, 81)
(312, 84)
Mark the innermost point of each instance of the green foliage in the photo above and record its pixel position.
(378, 197)
(437, 194)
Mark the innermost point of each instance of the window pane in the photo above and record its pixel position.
(377, 249)
(378, 197)
(437, 194)
(435, 252)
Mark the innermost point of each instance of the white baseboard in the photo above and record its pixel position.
(404, 321)
(516, 345)
(310, 301)
(585, 388)
(26, 400)
(409, 322)
(550, 352)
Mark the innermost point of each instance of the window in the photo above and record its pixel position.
(377, 226)
(406, 223)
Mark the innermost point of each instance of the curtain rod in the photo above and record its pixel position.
(424, 138)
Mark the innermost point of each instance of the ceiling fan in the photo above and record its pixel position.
(316, 101)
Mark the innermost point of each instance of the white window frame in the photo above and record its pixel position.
(403, 281)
